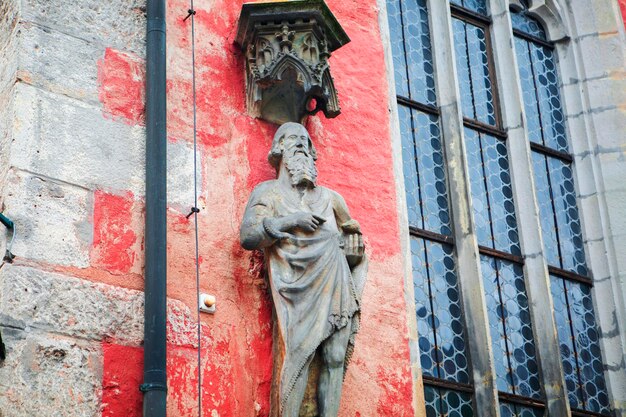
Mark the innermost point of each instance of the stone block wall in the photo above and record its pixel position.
(9, 15)
(600, 43)
(60, 152)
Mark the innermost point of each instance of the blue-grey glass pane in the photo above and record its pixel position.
(418, 51)
(432, 177)
(438, 309)
(520, 340)
(529, 412)
(473, 72)
(433, 404)
(546, 211)
(445, 403)
(507, 410)
(446, 300)
(463, 69)
(480, 202)
(527, 78)
(566, 345)
(524, 23)
(424, 174)
(424, 311)
(478, 6)
(496, 329)
(588, 347)
(550, 107)
(568, 220)
(514, 410)
(492, 195)
(409, 164)
(510, 327)
(394, 15)
(479, 69)
(456, 404)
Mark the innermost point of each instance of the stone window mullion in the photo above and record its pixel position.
(468, 256)
(529, 224)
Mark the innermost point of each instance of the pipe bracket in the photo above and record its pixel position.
(152, 387)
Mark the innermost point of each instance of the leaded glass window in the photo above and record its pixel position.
(516, 366)
(560, 221)
(450, 384)
(441, 330)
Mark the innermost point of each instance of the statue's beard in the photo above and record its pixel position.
(301, 167)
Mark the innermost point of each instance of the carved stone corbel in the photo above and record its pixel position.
(287, 46)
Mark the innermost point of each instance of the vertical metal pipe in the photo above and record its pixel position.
(155, 379)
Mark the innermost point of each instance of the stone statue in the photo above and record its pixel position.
(316, 265)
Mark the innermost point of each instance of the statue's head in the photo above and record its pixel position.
(293, 147)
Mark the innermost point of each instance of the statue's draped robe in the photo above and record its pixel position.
(314, 291)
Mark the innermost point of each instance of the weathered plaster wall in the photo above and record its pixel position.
(71, 305)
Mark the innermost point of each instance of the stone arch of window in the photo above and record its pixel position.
(549, 13)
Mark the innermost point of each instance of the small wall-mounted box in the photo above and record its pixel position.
(207, 303)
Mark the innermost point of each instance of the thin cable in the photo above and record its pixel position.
(192, 13)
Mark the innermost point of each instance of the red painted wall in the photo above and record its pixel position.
(622, 4)
(354, 159)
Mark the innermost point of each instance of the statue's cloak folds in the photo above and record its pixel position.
(314, 291)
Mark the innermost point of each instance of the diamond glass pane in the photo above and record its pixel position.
(473, 72)
(566, 345)
(546, 211)
(526, 24)
(492, 195)
(567, 218)
(424, 174)
(510, 327)
(527, 78)
(446, 403)
(394, 15)
(550, 107)
(562, 234)
(418, 51)
(409, 166)
(542, 102)
(580, 347)
(514, 410)
(478, 6)
(588, 347)
(438, 310)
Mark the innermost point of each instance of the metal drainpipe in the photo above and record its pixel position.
(155, 378)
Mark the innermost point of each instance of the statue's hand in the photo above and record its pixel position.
(354, 249)
(306, 221)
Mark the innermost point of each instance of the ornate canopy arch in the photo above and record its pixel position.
(549, 13)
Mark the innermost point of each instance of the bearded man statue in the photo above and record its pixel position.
(316, 268)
